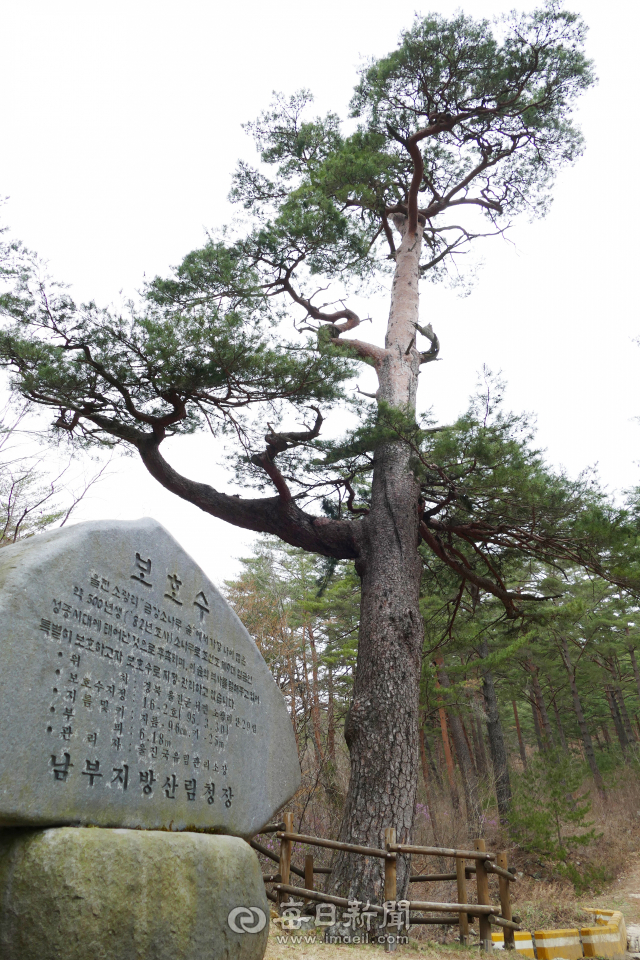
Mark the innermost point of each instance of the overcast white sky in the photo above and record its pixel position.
(121, 125)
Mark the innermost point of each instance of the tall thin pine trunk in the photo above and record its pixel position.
(628, 729)
(478, 716)
(636, 672)
(434, 766)
(497, 746)
(472, 750)
(451, 775)
(537, 727)
(315, 697)
(546, 730)
(559, 727)
(617, 719)
(582, 723)
(292, 700)
(428, 791)
(523, 752)
(331, 723)
(468, 774)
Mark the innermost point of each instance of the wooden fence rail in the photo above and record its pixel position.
(461, 913)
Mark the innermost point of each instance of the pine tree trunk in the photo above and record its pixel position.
(470, 784)
(451, 774)
(331, 728)
(381, 727)
(497, 746)
(479, 716)
(433, 765)
(468, 775)
(582, 723)
(546, 731)
(536, 725)
(472, 750)
(559, 727)
(628, 729)
(315, 698)
(482, 753)
(427, 789)
(636, 672)
(617, 719)
(523, 753)
(292, 699)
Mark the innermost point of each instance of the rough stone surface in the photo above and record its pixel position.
(126, 895)
(131, 694)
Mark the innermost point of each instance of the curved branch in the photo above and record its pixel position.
(350, 318)
(434, 349)
(278, 443)
(368, 351)
(274, 515)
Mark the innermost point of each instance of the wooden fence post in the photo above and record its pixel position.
(482, 880)
(505, 901)
(285, 853)
(462, 898)
(390, 884)
(308, 871)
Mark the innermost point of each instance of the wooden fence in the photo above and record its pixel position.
(461, 913)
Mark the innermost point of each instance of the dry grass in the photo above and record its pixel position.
(545, 905)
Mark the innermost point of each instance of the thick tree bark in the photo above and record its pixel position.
(582, 723)
(497, 745)
(381, 728)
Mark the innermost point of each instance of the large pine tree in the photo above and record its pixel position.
(463, 126)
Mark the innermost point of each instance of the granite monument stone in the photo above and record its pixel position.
(131, 694)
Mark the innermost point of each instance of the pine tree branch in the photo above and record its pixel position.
(272, 515)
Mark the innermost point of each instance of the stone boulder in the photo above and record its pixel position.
(79, 893)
